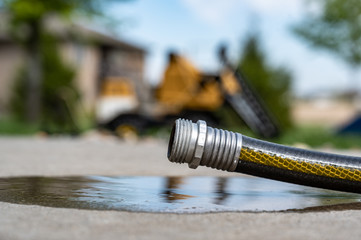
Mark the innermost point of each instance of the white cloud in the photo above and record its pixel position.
(272, 7)
(218, 13)
(214, 12)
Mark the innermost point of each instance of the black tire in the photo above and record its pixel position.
(131, 121)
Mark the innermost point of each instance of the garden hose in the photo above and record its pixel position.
(197, 144)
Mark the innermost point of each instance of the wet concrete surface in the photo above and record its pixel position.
(171, 194)
(25, 157)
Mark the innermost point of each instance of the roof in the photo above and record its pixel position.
(70, 30)
(109, 40)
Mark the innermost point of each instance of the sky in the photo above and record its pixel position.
(195, 28)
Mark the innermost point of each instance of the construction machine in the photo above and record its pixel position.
(184, 92)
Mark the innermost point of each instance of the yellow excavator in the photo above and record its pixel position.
(184, 87)
(185, 92)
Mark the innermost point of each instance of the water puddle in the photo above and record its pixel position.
(172, 194)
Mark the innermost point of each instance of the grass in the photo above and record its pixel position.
(12, 126)
(9, 126)
(316, 136)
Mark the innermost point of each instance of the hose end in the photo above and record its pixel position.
(197, 144)
(186, 144)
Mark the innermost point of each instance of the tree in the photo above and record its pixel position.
(271, 84)
(336, 28)
(27, 21)
(59, 95)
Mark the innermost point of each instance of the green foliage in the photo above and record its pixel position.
(59, 95)
(27, 15)
(29, 10)
(336, 28)
(17, 106)
(10, 126)
(271, 84)
(318, 136)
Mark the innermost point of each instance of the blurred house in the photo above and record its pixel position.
(97, 58)
(326, 109)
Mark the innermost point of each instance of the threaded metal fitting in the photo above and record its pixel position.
(197, 144)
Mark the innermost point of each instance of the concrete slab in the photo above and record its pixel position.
(107, 156)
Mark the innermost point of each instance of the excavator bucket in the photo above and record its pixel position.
(183, 87)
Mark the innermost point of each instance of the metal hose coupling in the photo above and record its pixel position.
(197, 144)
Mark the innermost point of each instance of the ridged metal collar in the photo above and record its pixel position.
(197, 144)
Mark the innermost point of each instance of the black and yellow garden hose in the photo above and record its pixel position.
(197, 144)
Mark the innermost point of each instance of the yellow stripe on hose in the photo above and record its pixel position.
(300, 166)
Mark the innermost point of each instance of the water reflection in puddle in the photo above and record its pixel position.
(167, 194)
